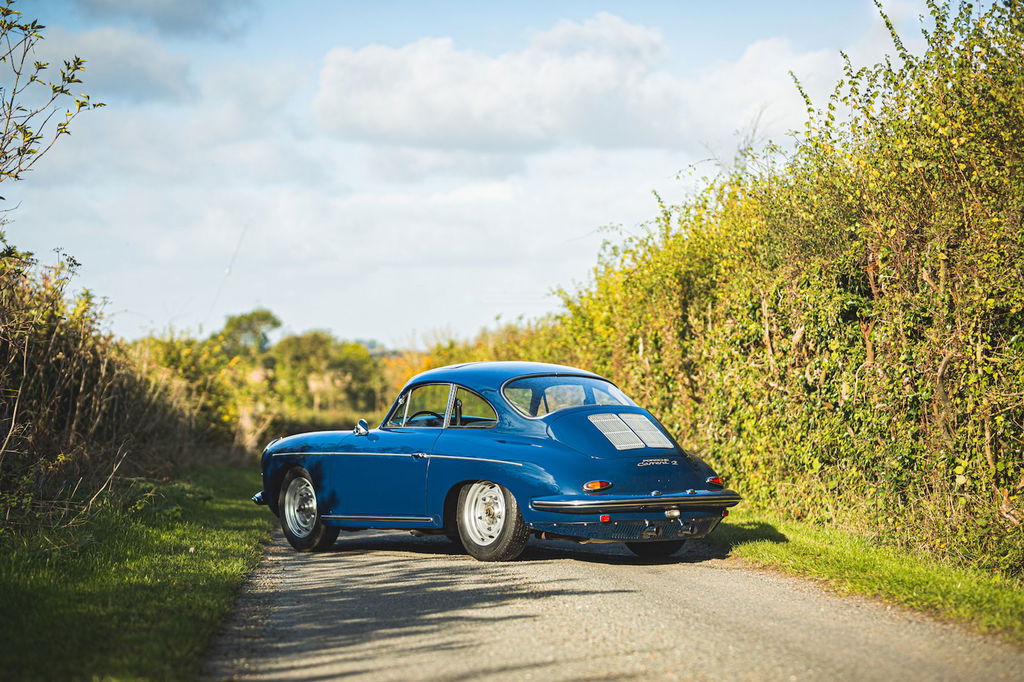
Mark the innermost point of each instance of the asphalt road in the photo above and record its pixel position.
(388, 606)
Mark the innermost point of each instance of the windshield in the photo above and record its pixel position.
(538, 396)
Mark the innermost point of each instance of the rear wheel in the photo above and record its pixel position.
(490, 525)
(655, 550)
(300, 518)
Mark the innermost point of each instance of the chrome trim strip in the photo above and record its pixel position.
(414, 455)
(377, 454)
(349, 517)
(477, 459)
(583, 506)
(448, 416)
(448, 406)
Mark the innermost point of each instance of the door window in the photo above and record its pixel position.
(427, 405)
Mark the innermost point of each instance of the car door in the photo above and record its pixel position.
(386, 472)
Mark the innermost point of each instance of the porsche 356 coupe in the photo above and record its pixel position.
(490, 453)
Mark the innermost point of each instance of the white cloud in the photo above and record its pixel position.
(486, 194)
(601, 82)
(413, 164)
(120, 65)
(221, 17)
(427, 186)
(729, 97)
(238, 126)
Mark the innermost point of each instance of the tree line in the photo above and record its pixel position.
(250, 388)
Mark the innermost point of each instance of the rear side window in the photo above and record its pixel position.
(537, 396)
(470, 411)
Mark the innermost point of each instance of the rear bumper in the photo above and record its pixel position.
(632, 530)
(697, 499)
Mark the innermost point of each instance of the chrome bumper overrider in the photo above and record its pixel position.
(613, 503)
(258, 498)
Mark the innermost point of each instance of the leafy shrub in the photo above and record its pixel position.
(840, 327)
(75, 408)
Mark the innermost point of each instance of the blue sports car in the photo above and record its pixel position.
(490, 453)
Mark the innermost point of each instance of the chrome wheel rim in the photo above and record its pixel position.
(300, 507)
(483, 515)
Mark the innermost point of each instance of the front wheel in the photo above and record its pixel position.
(490, 525)
(300, 518)
(655, 550)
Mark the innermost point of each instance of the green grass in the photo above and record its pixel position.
(139, 592)
(856, 565)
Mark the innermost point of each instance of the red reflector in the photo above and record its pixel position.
(596, 485)
(715, 480)
(725, 512)
(605, 518)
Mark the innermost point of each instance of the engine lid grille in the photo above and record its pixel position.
(616, 431)
(648, 432)
(630, 431)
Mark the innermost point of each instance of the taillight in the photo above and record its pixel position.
(715, 480)
(592, 486)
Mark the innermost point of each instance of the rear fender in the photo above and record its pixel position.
(524, 480)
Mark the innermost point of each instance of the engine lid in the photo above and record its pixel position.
(612, 432)
(629, 448)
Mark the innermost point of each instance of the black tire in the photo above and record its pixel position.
(509, 533)
(451, 518)
(300, 515)
(655, 550)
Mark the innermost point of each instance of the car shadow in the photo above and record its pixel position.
(718, 545)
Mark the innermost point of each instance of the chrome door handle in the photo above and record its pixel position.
(419, 455)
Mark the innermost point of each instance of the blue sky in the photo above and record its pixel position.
(398, 170)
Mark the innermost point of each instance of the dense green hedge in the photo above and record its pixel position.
(839, 326)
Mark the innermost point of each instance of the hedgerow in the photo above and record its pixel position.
(838, 325)
(77, 408)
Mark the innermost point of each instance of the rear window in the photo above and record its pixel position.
(538, 396)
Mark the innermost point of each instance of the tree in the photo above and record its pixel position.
(247, 335)
(30, 102)
(315, 370)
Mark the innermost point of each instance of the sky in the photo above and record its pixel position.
(399, 171)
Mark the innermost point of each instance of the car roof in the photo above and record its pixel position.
(492, 374)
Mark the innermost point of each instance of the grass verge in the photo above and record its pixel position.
(140, 591)
(856, 565)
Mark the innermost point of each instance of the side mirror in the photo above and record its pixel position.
(362, 428)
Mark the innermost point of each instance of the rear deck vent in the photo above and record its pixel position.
(616, 431)
(646, 429)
